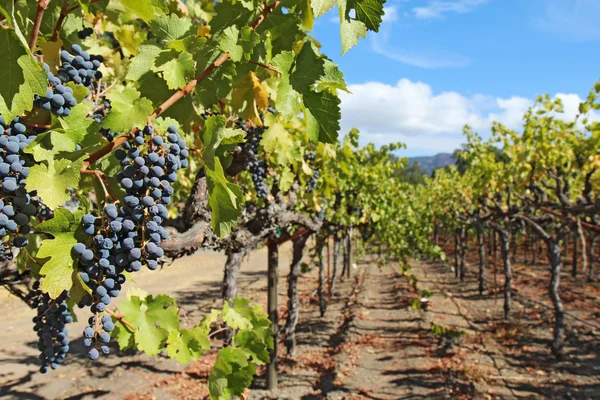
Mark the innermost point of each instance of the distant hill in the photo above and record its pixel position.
(429, 163)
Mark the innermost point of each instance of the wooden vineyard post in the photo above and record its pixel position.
(273, 277)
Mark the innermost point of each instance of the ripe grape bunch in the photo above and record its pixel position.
(58, 99)
(256, 166)
(82, 68)
(50, 323)
(126, 236)
(17, 206)
(311, 185)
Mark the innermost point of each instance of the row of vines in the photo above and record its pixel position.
(133, 132)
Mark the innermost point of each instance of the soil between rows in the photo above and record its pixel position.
(370, 345)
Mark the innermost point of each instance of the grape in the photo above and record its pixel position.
(18, 205)
(50, 324)
(128, 236)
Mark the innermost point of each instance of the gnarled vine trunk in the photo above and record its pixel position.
(456, 251)
(575, 254)
(232, 268)
(349, 253)
(559, 315)
(481, 259)
(336, 259)
(321, 288)
(273, 277)
(293, 307)
(593, 240)
(344, 257)
(463, 252)
(505, 244)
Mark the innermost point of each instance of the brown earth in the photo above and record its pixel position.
(370, 345)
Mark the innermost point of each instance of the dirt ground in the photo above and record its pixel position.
(370, 345)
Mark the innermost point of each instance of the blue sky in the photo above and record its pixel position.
(438, 64)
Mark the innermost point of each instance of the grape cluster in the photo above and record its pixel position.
(311, 185)
(125, 237)
(82, 69)
(17, 206)
(50, 323)
(256, 166)
(58, 99)
(85, 32)
(100, 112)
(309, 155)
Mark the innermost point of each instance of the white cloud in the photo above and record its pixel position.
(437, 8)
(429, 122)
(573, 20)
(390, 14)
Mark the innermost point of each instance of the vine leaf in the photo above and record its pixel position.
(59, 268)
(287, 100)
(351, 30)
(309, 68)
(224, 200)
(228, 42)
(171, 27)
(20, 77)
(128, 110)
(231, 374)
(54, 180)
(325, 109)
(154, 319)
(369, 12)
(188, 344)
(142, 62)
(176, 69)
(320, 7)
(141, 8)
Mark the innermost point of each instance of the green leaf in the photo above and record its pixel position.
(171, 27)
(234, 319)
(20, 77)
(332, 78)
(188, 344)
(287, 100)
(216, 134)
(154, 319)
(76, 125)
(224, 200)
(283, 29)
(141, 8)
(368, 12)
(228, 42)
(128, 110)
(325, 109)
(351, 30)
(142, 62)
(231, 374)
(253, 345)
(320, 7)
(309, 68)
(229, 13)
(124, 336)
(277, 140)
(53, 181)
(177, 68)
(59, 268)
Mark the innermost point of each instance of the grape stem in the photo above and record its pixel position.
(181, 93)
(63, 14)
(264, 66)
(42, 5)
(101, 177)
(218, 331)
(121, 319)
(182, 311)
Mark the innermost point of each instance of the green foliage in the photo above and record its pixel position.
(151, 324)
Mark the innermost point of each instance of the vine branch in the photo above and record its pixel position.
(181, 93)
(42, 5)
